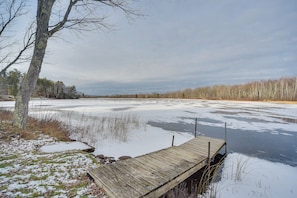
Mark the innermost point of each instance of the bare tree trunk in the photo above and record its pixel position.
(79, 21)
(28, 84)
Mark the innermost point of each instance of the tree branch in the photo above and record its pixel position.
(9, 12)
(12, 14)
(27, 44)
(84, 22)
(61, 24)
(123, 5)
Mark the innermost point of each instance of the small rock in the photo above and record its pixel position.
(101, 161)
(112, 161)
(124, 157)
(100, 156)
(89, 150)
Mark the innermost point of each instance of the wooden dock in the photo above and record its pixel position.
(153, 174)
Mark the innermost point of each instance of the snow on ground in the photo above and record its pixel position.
(26, 172)
(245, 176)
(63, 146)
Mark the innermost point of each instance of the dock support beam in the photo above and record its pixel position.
(225, 138)
(196, 122)
(208, 163)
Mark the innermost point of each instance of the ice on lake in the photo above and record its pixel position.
(267, 130)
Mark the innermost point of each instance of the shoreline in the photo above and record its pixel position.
(127, 97)
(161, 98)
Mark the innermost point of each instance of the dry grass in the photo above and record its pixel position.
(93, 129)
(281, 102)
(207, 180)
(83, 128)
(47, 126)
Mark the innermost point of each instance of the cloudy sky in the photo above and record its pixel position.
(179, 44)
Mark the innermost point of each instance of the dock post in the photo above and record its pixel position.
(225, 138)
(172, 144)
(208, 163)
(208, 152)
(196, 120)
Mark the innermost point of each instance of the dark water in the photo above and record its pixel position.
(264, 145)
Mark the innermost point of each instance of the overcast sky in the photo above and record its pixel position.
(180, 44)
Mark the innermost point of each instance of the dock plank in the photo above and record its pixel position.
(153, 174)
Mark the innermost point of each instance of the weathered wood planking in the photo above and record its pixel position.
(153, 174)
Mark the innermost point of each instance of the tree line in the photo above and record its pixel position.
(284, 89)
(10, 82)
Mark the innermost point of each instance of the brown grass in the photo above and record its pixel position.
(281, 102)
(34, 128)
(250, 100)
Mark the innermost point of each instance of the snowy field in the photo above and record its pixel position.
(149, 124)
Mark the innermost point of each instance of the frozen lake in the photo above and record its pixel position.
(260, 129)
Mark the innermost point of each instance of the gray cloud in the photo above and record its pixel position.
(180, 44)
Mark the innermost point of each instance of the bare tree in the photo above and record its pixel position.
(52, 17)
(10, 11)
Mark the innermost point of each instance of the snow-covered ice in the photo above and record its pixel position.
(260, 178)
(142, 142)
(256, 116)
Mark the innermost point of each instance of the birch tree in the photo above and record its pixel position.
(52, 17)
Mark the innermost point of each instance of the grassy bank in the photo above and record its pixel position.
(27, 172)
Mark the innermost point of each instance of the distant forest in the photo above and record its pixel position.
(284, 89)
(10, 82)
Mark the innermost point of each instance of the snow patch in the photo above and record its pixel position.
(64, 146)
